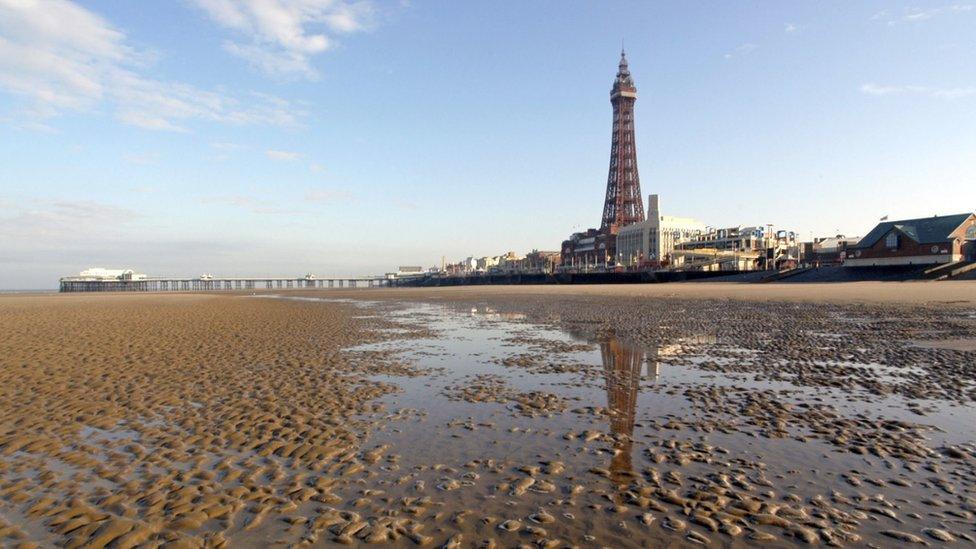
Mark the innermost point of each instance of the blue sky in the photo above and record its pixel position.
(277, 137)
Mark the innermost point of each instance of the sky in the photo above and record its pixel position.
(284, 137)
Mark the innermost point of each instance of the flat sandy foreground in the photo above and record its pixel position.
(654, 415)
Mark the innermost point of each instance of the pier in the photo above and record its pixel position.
(80, 284)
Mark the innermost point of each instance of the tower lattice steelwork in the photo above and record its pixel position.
(623, 204)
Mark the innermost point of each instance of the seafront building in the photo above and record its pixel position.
(823, 252)
(738, 249)
(508, 262)
(540, 261)
(649, 243)
(923, 241)
(536, 261)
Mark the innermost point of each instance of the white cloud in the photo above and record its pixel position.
(274, 63)
(874, 89)
(938, 93)
(327, 196)
(287, 156)
(263, 206)
(143, 159)
(952, 93)
(226, 150)
(742, 51)
(59, 56)
(916, 15)
(45, 220)
(281, 36)
(226, 146)
(790, 27)
(253, 205)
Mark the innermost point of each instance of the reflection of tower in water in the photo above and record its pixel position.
(622, 363)
(622, 371)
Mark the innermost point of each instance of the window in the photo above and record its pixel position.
(891, 241)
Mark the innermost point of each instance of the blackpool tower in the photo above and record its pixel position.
(623, 204)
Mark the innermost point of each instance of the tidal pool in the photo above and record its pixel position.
(622, 444)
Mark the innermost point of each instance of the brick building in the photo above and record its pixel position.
(540, 261)
(924, 241)
(828, 251)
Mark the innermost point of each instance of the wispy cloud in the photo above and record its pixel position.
(790, 28)
(253, 205)
(224, 146)
(280, 37)
(406, 204)
(742, 51)
(286, 156)
(224, 150)
(917, 15)
(23, 122)
(327, 196)
(59, 57)
(264, 206)
(926, 91)
(42, 220)
(142, 159)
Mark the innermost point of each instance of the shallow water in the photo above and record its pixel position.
(625, 395)
(622, 376)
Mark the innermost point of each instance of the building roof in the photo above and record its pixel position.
(834, 242)
(926, 230)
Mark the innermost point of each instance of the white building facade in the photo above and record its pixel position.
(650, 242)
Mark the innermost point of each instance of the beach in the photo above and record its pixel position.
(630, 415)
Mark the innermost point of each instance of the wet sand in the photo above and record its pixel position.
(594, 416)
